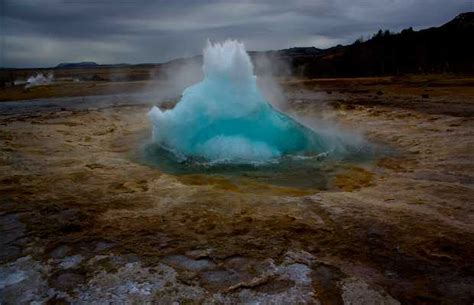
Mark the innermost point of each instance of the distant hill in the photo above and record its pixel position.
(444, 49)
(69, 65)
(291, 52)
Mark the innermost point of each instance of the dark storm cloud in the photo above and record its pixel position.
(43, 33)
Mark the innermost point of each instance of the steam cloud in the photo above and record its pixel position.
(39, 79)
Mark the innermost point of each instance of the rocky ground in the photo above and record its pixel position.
(84, 222)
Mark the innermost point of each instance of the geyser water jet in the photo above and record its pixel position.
(225, 118)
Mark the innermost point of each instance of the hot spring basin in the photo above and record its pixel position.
(306, 173)
(224, 126)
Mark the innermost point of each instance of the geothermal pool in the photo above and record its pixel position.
(223, 125)
(312, 172)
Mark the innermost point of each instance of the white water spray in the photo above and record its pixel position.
(225, 118)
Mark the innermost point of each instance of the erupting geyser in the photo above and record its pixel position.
(225, 118)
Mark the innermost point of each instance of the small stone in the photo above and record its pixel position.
(187, 263)
(220, 279)
(68, 280)
(356, 292)
(60, 251)
(103, 245)
(71, 261)
(9, 253)
(12, 229)
(200, 253)
(299, 256)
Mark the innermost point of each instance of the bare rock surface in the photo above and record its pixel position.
(83, 220)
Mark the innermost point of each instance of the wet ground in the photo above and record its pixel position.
(83, 221)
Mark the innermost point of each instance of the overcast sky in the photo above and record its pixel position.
(42, 33)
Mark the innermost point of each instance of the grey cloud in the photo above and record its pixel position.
(44, 33)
